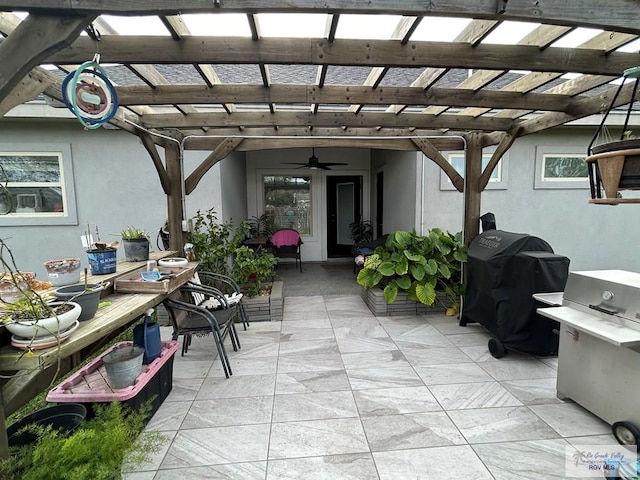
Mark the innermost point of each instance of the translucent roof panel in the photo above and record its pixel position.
(510, 33)
(341, 75)
(439, 29)
(367, 27)
(218, 25)
(293, 73)
(298, 25)
(150, 25)
(238, 73)
(630, 47)
(576, 38)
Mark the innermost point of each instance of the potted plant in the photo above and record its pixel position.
(100, 448)
(136, 244)
(361, 232)
(253, 269)
(418, 266)
(615, 164)
(102, 256)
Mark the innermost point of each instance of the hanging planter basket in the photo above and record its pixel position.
(615, 166)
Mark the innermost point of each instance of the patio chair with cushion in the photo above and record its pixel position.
(227, 286)
(286, 244)
(188, 319)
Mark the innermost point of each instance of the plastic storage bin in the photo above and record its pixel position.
(89, 384)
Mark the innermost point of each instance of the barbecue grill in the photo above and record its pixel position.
(599, 352)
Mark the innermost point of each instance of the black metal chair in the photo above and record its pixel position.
(227, 286)
(188, 319)
(285, 243)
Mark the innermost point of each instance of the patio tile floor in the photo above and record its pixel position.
(364, 398)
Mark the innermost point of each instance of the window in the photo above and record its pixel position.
(558, 167)
(497, 181)
(288, 200)
(35, 191)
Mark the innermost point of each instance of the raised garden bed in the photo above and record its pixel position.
(374, 298)
(265, 308)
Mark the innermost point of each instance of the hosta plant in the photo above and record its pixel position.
(418, 265)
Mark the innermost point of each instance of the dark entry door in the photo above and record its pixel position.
(344, 206)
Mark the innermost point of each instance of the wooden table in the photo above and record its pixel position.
(26, 376)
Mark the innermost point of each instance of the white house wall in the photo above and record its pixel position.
(116, 185)
(232, 175)
(271, 162)
(592, 236)
(400, 188)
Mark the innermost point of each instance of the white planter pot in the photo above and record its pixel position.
(45, 326)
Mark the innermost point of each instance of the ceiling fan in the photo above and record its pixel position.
(314, 163)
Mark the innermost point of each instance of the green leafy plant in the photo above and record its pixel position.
(253, 269)
(132, 233)
(417, 265)
(361, 232)
(98, 450)
(214, 242)
(262, 226)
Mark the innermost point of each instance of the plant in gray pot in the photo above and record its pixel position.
(136, 244)
(85, 295)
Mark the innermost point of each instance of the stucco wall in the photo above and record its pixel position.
(400, 188)
(116, 185)
(233, 187)
(592, 236)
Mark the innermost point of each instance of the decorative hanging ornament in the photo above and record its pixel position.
(90, 95)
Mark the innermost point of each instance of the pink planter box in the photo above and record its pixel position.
(89, 384)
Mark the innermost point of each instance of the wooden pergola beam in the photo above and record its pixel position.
(504, 145)
(345, 52)
(620, 15)
(224, 148)
(26, 90)
(150, 146)
(283, 118)
(334, 94)
(434, 154)
(23, 50)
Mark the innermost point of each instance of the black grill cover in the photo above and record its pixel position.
(504, 270)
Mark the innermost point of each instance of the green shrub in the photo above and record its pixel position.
(98, 450)
(417, 265)
(253, 269)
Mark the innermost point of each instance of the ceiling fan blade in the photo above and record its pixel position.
(294, 163)
(331, 164)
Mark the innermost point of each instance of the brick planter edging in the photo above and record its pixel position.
(266, 308)
(374, 298)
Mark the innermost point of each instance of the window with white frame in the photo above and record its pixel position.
(34, 190)
(288, 199)
(560, 167)
(497, 180)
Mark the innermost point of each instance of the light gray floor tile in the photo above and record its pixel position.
(571, 420)
(235, 471)
(420, 328)
(537, 391)
(310, 302)
(314, 406)
(550, 361)
(220, 445)
(309, 334)
(364, 378)
(224, 412)
(442, 463)
(382, 359)
(502, 424)
(436, 340)
(247, 366)
(169, 416)
(192, 368)
(473, 395)
(308, 347)
(310, 363)
(451, 326)
(252, 337)
(308, 382)
(480, 353)
(316, 438)
(184, 389)
(347, 306)
(469, 339)
(529, 460)
(413, 430)
(362, 322)
(373, 331)
(435, 355)
(452, 373)
(255, 350)
(391, 401)
(518, 369)
(604, 439)
(262, 327)
(365, 344)
(344, 467)
(237, 386)
(304, 323)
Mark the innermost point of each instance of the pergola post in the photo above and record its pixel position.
(472, 190)
(175, 197)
